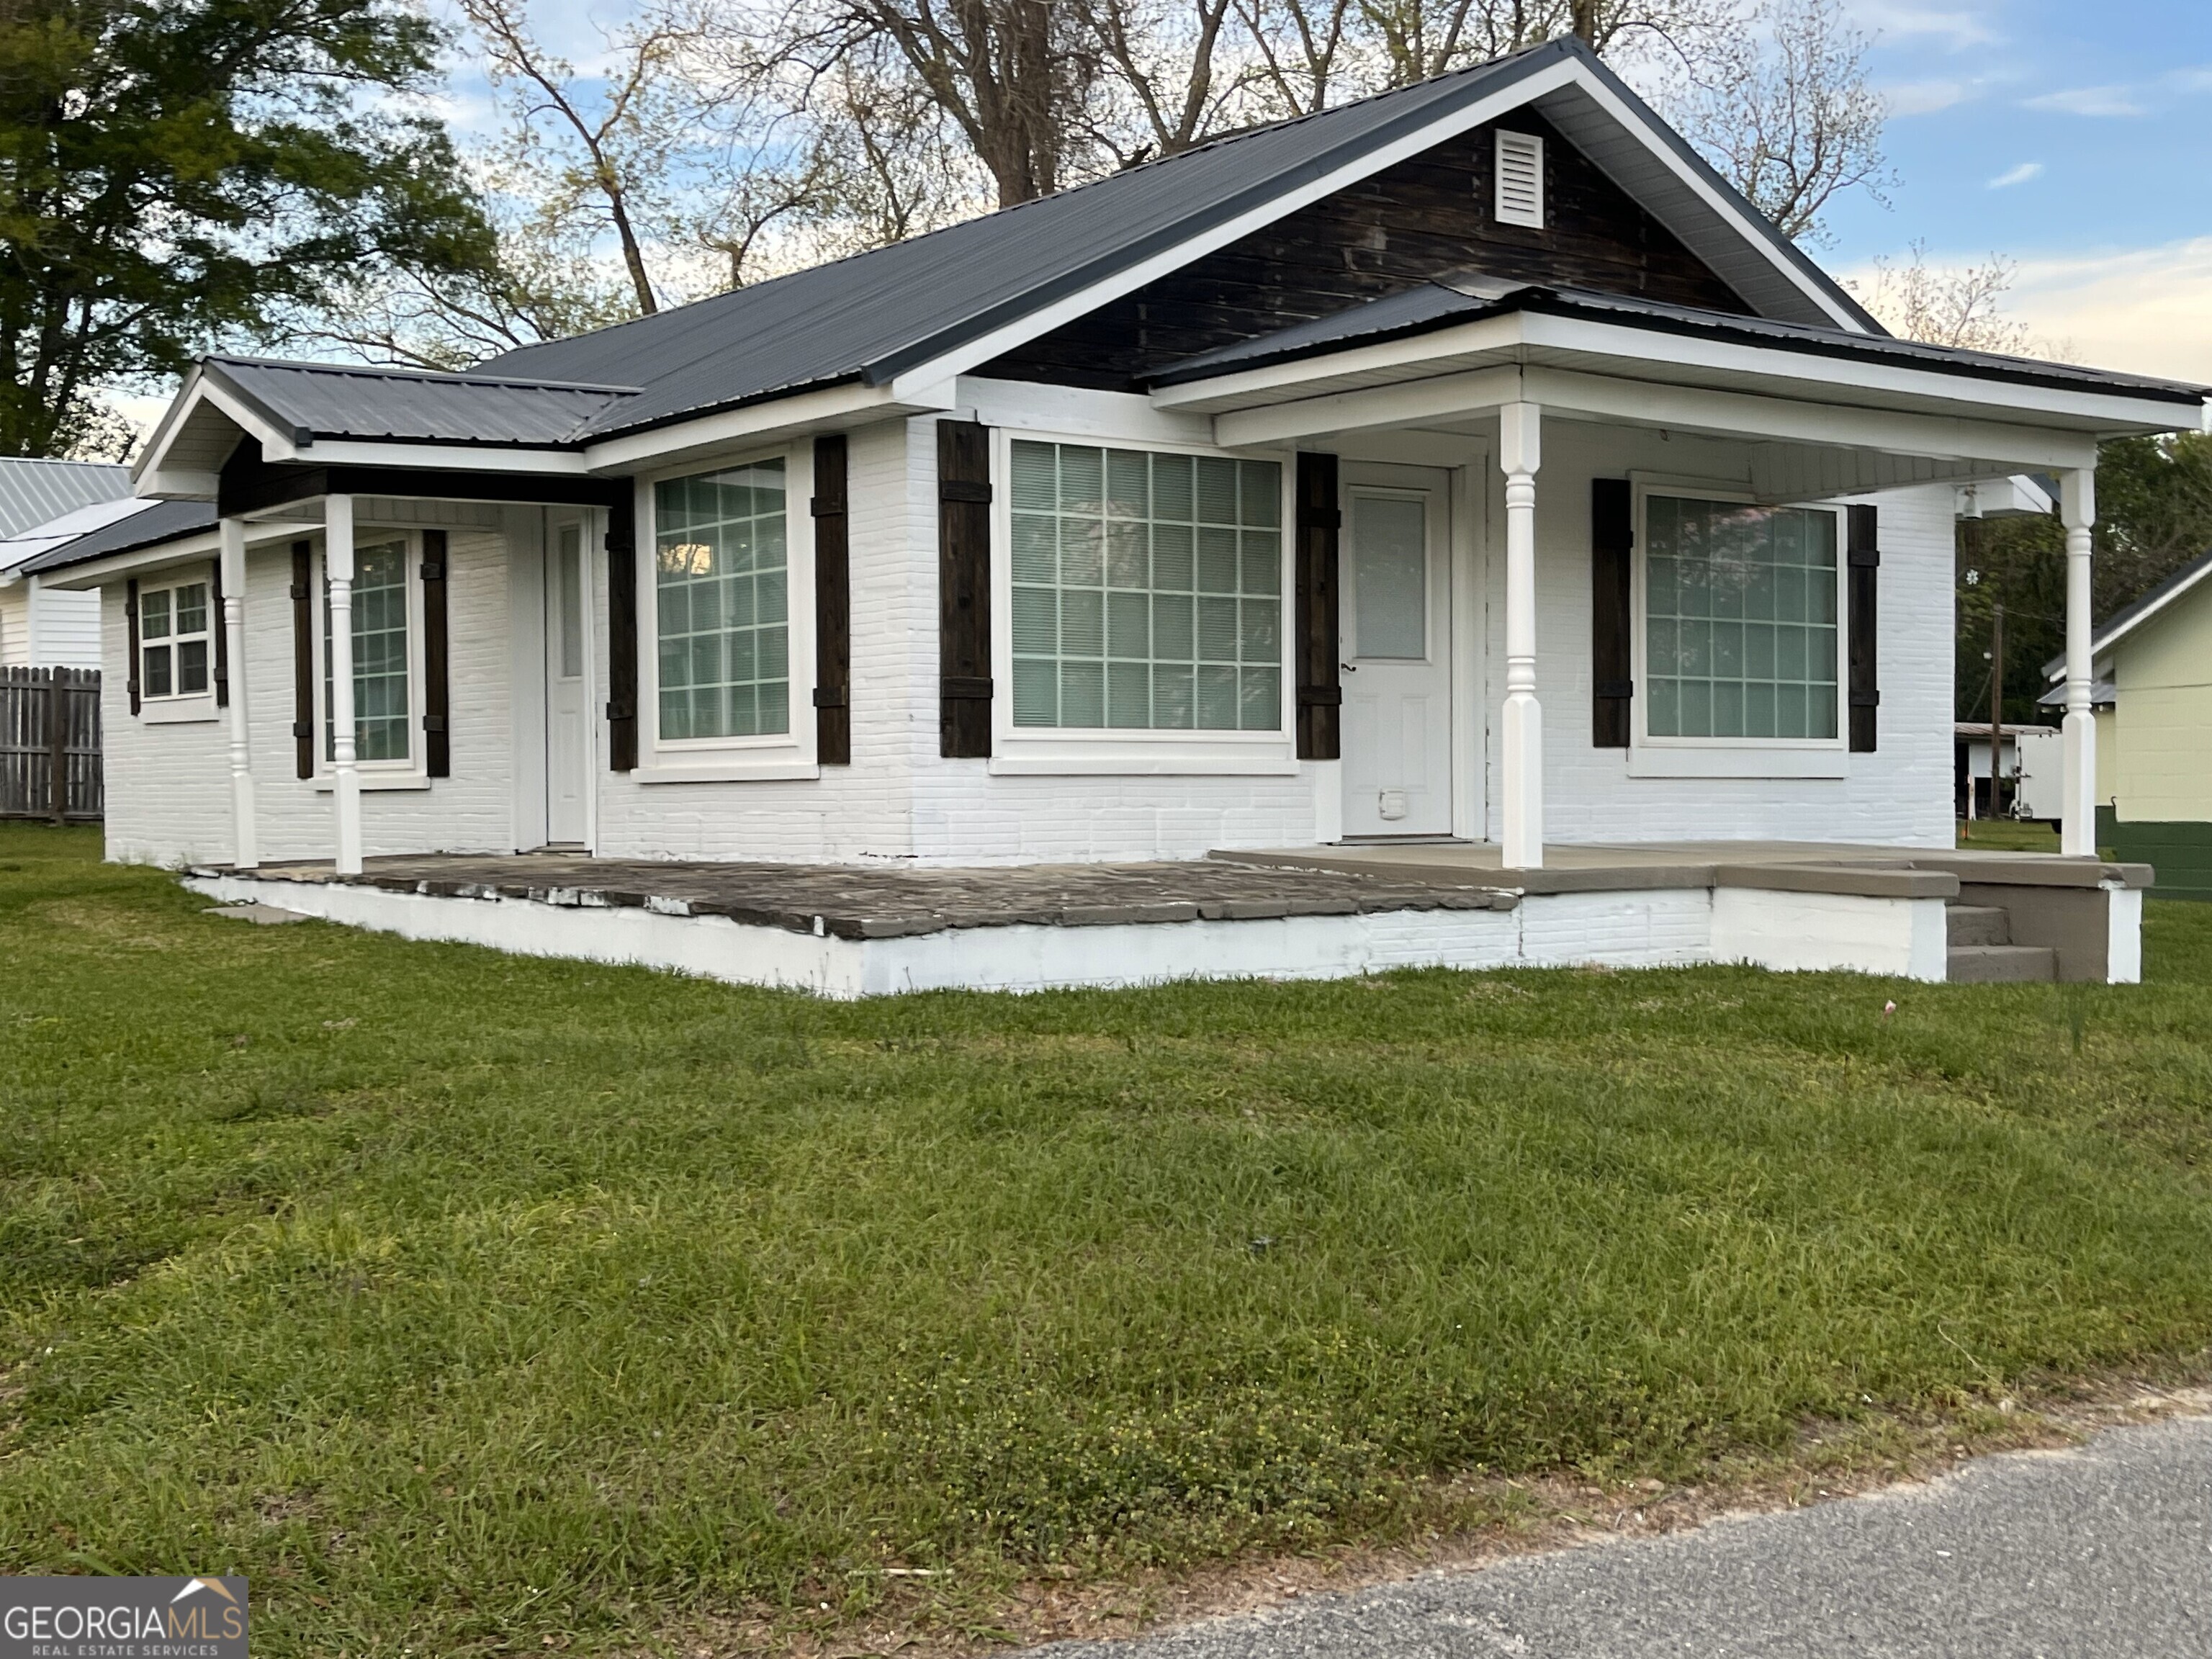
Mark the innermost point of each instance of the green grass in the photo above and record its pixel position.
(2007, 836)
(462, 1300)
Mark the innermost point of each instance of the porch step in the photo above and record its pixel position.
(2002, 964)
(1978, 924)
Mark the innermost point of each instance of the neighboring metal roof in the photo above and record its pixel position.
(1458, 300)
(2102, 694)
(871, 317)
(32, 492)
(336, 400)
(2129, 617)
(21, 549)
(156, 521)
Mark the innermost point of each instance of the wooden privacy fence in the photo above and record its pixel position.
(50, 745)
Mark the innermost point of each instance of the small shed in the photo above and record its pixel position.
(2029, 767)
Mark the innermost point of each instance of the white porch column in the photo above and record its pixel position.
(2078, 511)
(1520, 452)
(244, 847)
(338, 566)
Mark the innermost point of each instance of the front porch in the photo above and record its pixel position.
(1298, 913)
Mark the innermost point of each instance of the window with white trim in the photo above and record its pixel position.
(1521, 180)
(383, 658)
(1147, 589)
(1740, 626)
(721, 588)
(175, 641)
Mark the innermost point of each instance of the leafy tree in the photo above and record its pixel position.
(175, 174)
(2154, 516)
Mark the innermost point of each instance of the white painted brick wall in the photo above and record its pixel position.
(168, 787)
(1900, 794)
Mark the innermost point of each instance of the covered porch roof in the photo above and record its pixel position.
(1827, 411)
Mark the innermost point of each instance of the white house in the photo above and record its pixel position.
(1466, 470)
(44, 505)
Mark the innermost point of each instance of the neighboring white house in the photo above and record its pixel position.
(1469, 464)
(44, 505)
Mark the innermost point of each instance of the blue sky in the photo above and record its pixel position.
(2068, 136)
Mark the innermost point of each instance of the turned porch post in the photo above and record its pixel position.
(245, 847)
(2078, 511)
(1522, 734)
(337, 569)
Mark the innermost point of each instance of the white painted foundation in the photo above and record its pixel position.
(1655, 927)
(2123, 937)
(1903, 937)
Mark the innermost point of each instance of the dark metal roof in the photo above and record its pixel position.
(1469, 299)
(2121, 621)
(32, 492)
(869, 318)
(336, 400)
(156, 522)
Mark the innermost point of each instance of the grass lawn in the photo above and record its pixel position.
(2007, 836)
(465, 1302)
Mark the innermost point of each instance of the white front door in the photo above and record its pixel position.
(567, 689)
(1394, 570)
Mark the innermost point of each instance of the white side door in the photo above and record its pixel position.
(1394, 571)
(568, 686)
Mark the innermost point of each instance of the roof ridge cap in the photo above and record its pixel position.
(399, 371)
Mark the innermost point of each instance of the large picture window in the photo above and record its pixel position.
(174, 641)
(1740, 620)
(1147, 589)
(721, 579)
(381, 663)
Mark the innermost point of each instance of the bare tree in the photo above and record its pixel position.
(604, 154)
(1947, 306)
(1782, 108)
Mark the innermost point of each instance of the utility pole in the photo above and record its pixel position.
(1996, 704)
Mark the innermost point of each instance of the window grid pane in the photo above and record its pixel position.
(721, 576)
(1740, 620)
(1147, 589)
(178, 618)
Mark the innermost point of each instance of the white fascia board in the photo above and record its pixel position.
(1488, 336)
(1647, 403)
(1757, 236)
(826, 408)
(2097, 410)
(161, 484)
(186, 549)
(276, 446)
(1845, 426)
(1409, 402)
(2106, 641)
(165, 430)
(1000, 341)
(439, 458)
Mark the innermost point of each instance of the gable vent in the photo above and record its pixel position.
(1520, 179)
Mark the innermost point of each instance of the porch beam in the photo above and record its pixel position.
(1567, 393)
(338, 570)
(1520, 453)
(244, 844)
(2077, 511)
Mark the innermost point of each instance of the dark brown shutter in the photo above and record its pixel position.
(1612, 541)
(437, 741)
(1864, 559)
(221, 636)
(964, 588)
(622, 634)
(130, 629)
(1320, 691)
(833, 606)
(303, 661)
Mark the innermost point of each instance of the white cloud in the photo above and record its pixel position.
(2019, 175)
(1924, 97)
(2148, 310)
(1896, 19)
(2089, 100)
